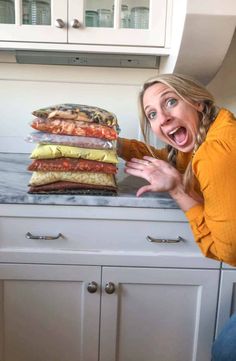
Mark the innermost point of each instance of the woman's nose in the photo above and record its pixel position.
(164, 117)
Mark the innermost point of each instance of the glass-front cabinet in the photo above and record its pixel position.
(33, 20)
(100, 22)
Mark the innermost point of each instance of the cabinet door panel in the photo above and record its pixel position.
(48, 314)
(158, 314)
(153, 36)
(227, 298)
(43, 33)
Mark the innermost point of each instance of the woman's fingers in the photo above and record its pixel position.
(147, 188)
(136, 171)
(138, 161)
(150, 159)
(141, 163)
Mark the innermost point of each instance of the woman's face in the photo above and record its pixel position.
(172, 119)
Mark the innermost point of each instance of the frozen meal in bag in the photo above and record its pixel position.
(84, 113)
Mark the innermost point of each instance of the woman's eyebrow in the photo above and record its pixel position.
(166, 92)
(161, 96)
(147, 106)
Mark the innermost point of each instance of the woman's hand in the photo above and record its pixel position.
(162, 178)
(161, 175)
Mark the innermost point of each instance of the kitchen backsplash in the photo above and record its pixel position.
(24, 88)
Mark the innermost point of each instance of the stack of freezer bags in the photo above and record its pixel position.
(76, 151)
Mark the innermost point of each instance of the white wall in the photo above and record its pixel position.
(24, 88)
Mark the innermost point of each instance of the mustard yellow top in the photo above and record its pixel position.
(214, 164)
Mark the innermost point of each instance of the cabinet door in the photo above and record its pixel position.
(118, 22)
(158, 314)
(47, 314)
(34, 20)
(227, 298)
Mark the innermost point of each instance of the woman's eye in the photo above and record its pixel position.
(171, 102)
(151, 115)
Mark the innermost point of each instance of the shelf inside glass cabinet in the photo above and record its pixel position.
(133, 14)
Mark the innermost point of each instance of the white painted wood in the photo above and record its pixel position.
(95, 212)
(114, 49)
(80, 235)
(37, 33)
(154, 36)
(227, 298)
(158, 314)
(47, 288)
(99, 235)
(48, 314)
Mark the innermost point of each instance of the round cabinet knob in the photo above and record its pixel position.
(110, 288)
(59, 23)
(92, 287)
(75, 24)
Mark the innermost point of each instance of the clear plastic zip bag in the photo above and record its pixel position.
(70, 140)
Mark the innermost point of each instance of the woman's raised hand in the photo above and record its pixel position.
(161, 175)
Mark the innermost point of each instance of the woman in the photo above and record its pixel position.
(197, 168)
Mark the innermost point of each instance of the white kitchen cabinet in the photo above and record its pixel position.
(158, 314)
(46, 313)
(227, 297)
(66, 23)
(152, 301)
(18, 31)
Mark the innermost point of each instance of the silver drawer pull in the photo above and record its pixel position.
(47, 238)
(163, 240)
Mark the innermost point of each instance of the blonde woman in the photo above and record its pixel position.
(197, 168)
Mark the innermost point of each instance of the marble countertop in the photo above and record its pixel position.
(14, 179)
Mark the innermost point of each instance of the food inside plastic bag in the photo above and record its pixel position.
(78, 112)
(71, 140)
(40, 178)
(74, 188)
(72, 165)
(47, 151)
(69, 127)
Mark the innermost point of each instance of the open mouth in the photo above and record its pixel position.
(178, 135)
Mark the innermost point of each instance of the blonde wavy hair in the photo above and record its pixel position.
(192, 92)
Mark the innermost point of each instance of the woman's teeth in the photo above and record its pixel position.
(172, 132)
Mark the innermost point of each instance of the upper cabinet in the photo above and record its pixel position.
(186, 34)
(100, 22)
(33, 21)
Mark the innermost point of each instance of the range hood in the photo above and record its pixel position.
(87, 59)
(200, 37)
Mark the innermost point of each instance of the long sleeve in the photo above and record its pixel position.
(214, 223)
(131, 148)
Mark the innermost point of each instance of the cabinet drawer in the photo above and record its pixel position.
(95, 235)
